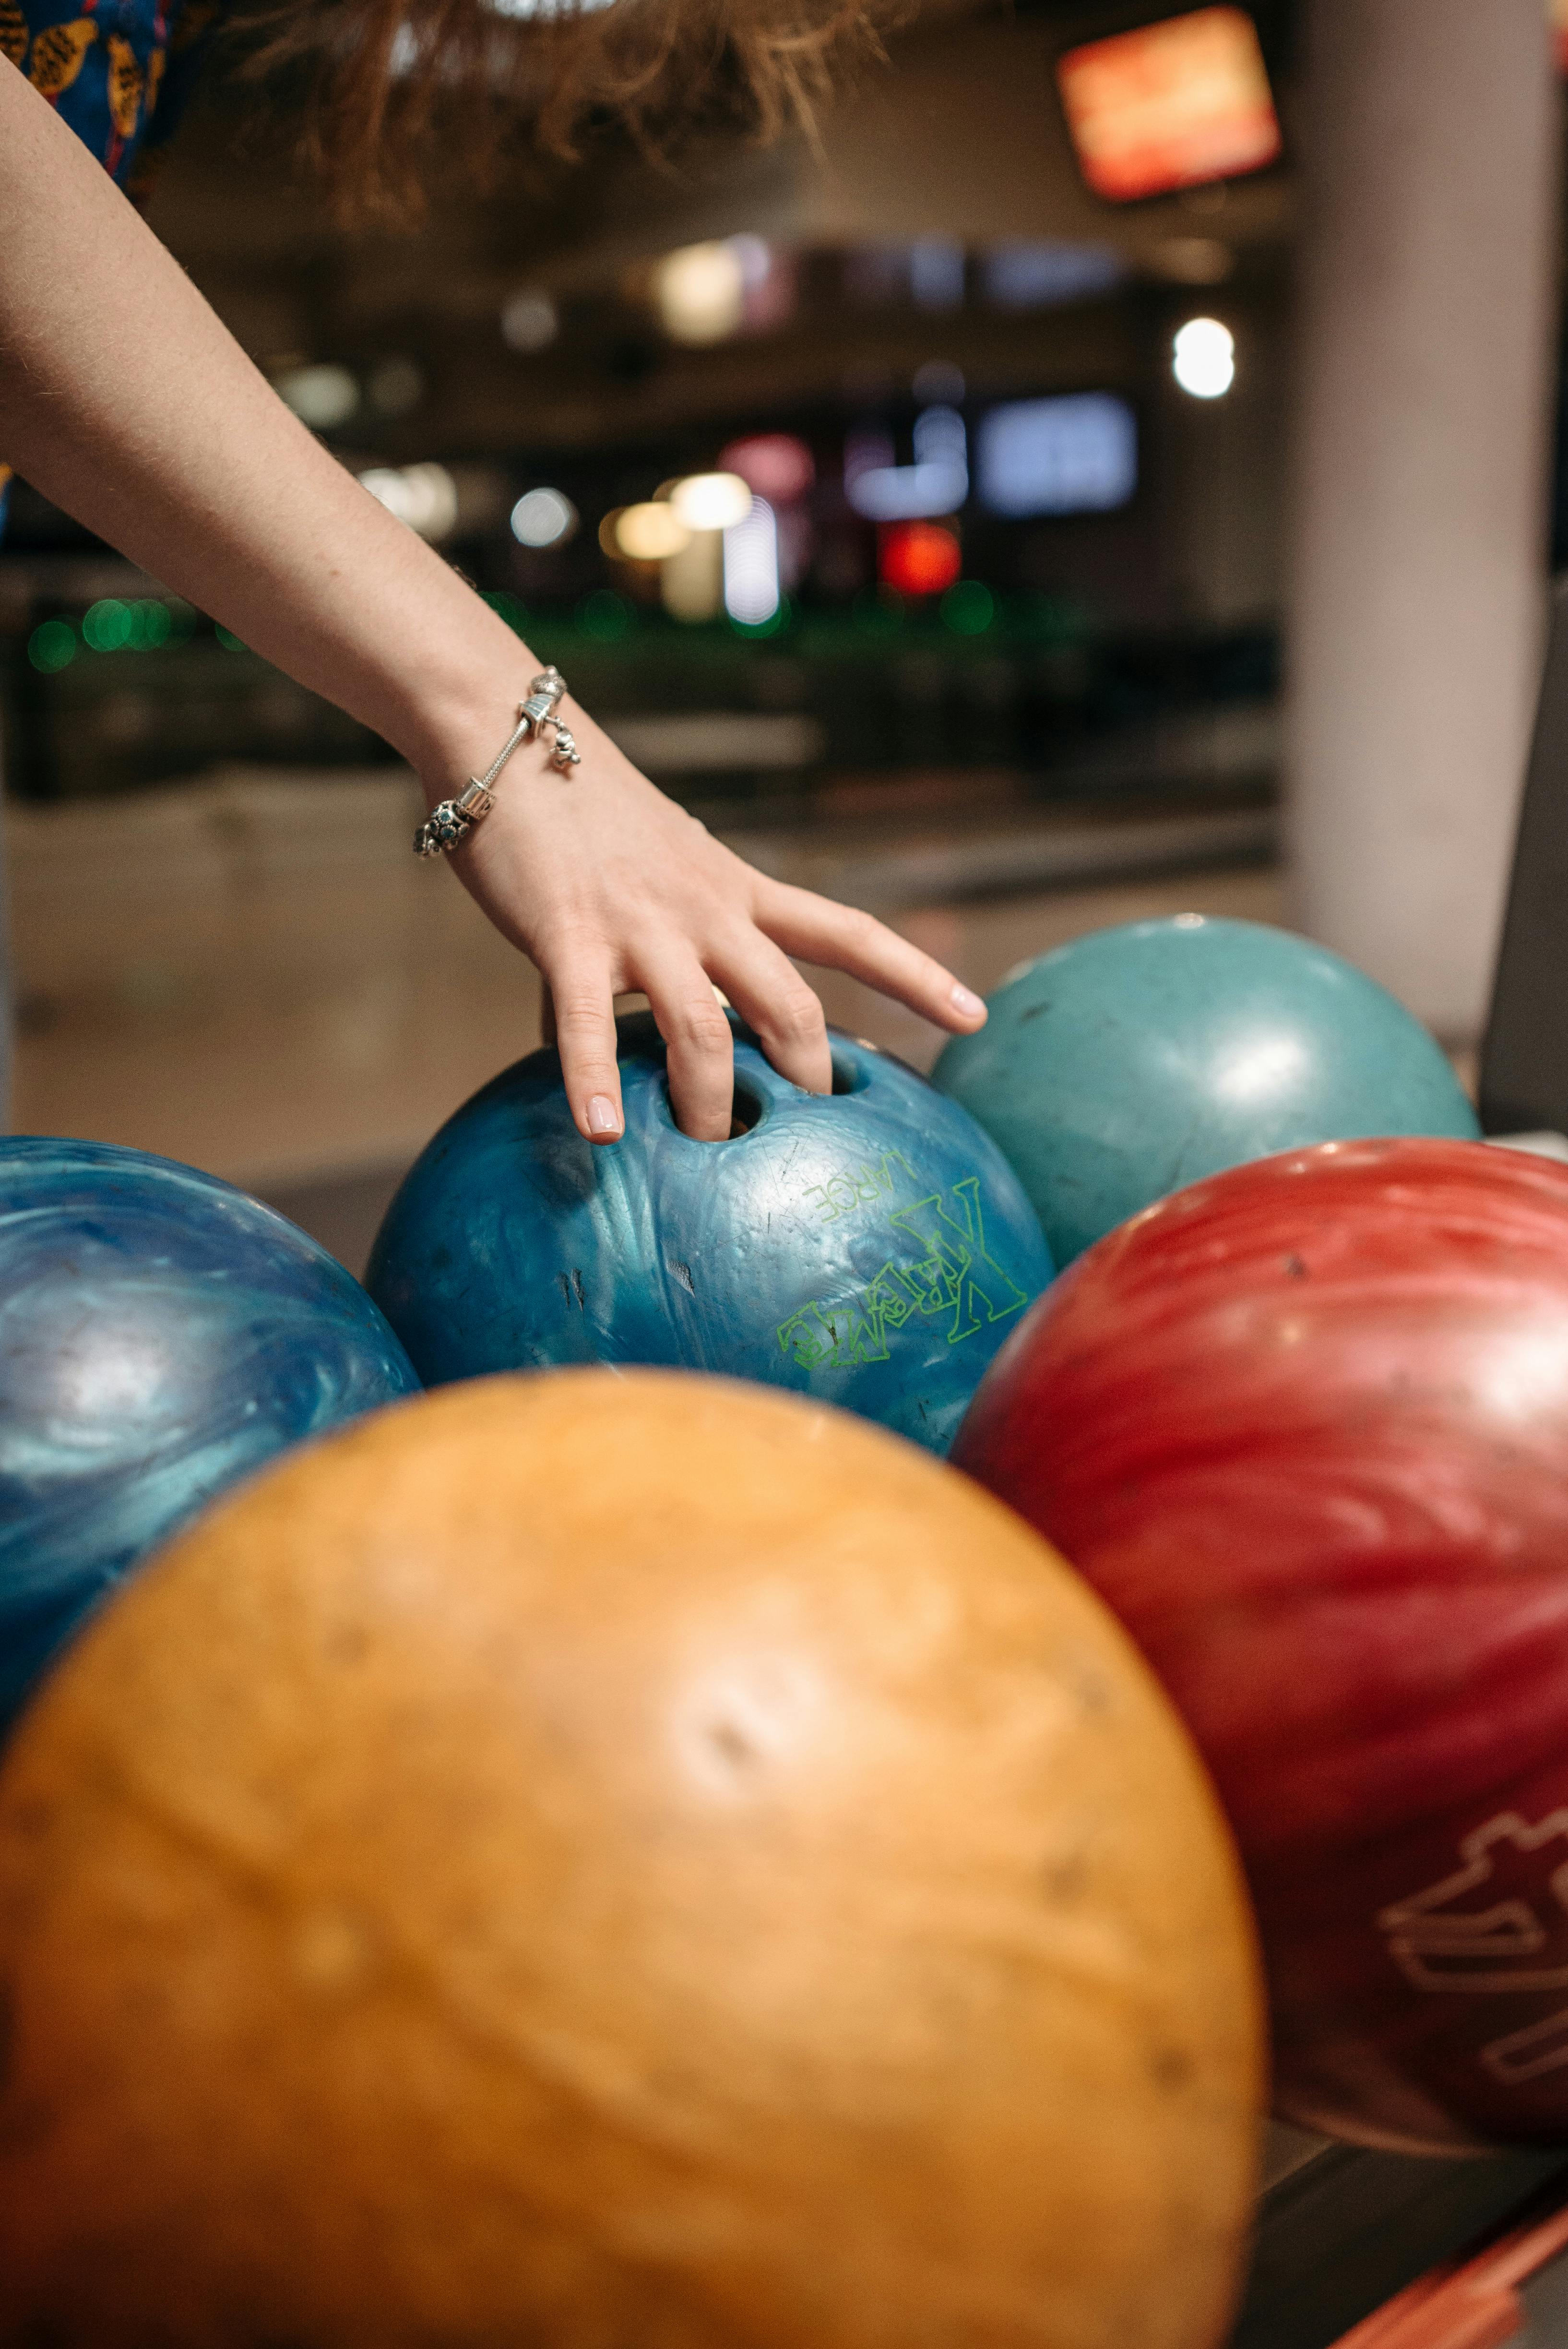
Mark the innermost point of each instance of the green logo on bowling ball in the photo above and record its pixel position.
(871, 1180)
(952, 1274)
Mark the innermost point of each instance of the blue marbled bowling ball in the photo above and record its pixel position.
(869, 1246)
(161, 1335)
(1138, 1060)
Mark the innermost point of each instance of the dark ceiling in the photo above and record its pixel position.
(959, 138)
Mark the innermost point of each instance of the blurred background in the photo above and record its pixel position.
(1112, 470)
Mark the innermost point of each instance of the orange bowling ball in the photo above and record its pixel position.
(617, 1863)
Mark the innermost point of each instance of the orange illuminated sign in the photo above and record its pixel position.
(1170, 105)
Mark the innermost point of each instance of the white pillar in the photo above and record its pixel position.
(1424, 336)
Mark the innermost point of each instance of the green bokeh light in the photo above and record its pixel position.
(108, 625)
(52, 645)
(511, 608)
(113, 626)
(229, 642)
(154, 622)
(968, 607)
(605, 616)
(779, 617)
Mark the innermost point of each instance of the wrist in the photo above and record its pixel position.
(454, 713)
(539, 722)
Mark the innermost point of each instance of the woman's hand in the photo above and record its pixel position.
(609, 887)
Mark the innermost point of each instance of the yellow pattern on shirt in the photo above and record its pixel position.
(13, 32)
(155, 65)
(124, 86)
(57, 54)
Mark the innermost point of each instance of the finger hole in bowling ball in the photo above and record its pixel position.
(748, 1107)
(849, 1074)
(747, 1112)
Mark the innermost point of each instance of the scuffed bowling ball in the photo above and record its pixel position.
(619, 1860)
(1137, 1060)
(870, 1247)
(160, 1336)
(1304, 1426)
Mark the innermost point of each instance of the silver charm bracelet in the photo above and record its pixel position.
(450, 824)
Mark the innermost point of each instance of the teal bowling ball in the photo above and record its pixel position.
(161, 1336)
(870, 1247)
(1136, 1060)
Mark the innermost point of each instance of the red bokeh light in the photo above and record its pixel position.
(773, 465)
(918, 558)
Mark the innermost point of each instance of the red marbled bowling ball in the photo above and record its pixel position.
(1306, 1427)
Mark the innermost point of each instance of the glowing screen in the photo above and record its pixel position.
(1170, 105)
(1077, 454)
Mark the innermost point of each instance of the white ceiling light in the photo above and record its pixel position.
(320, 397)
(701, 291)
(529, 320)
(543, 518)
(711, 500)
(1203, 358)
(423, 496)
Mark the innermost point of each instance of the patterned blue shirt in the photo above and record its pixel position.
(118, 71)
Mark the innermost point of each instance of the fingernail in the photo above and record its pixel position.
(604, 1117)
(964, 999)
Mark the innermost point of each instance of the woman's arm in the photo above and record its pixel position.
(125, 400)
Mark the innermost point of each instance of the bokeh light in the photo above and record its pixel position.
(936, 483)
(529, 321)
(321, 397)
(510, 608)
(52, 646)
(107, 626)
(751, 590)
(1170, 105)
(701, 291)
(651, 532)
(543, 518)
(425, 497)
(606, 617)
(710, 500)
(777, 466)
(918, 558)
(1203, 358)
(969, 608)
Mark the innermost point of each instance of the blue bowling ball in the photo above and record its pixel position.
(1136, 1060)
(869, 1246)
(160, 1336)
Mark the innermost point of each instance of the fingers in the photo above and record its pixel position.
(699, 1052)
(579, 996)
(843, 938)
(774, 1001)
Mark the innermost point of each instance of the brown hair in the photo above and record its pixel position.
(409, 89)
